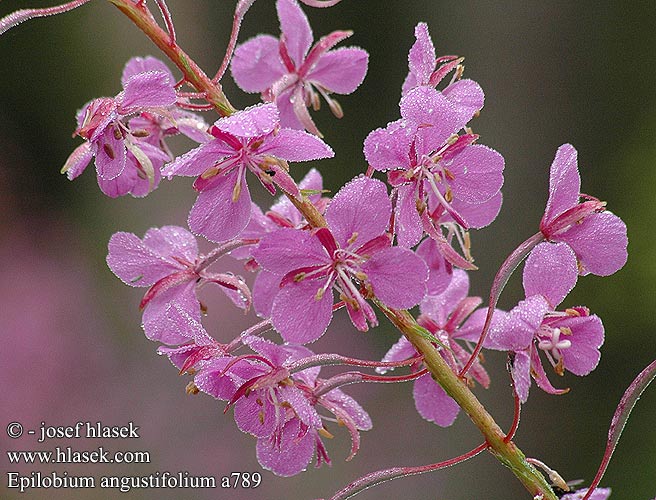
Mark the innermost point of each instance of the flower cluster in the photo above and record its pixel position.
(380, 245)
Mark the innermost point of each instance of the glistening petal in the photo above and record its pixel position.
(389, 148)
(550, 271)
(587, 337)
(421, 58)
(292, 455)
(340, 71)
(353, 222)
(256, 64)
(295, 145)
(467, 98)
(599, 242)
(564, 183)
(398, 277)
(297, 314)
(433, 403)
(216, 216)
(295, 29)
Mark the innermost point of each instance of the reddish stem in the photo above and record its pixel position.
(380, 476)
(500, 280)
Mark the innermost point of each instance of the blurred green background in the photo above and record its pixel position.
(553, 72)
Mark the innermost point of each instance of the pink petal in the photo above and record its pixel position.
(539, 375)
(340, 71)
(421, 58)
(550, 271)
(288, 118)
(433, 403)
(434, 114)
(299, 402)
(213, 381)
(120, 185)
(138, 65)
(521, 374)
(439, 270)
(172, 240)
(473, 326)
(467, 98)
(478, 172)
(298, 316)
(516, 329)
(135, 263)
(350, 219)
(78, 160)
(564, 183)
(187, 325)
(398, 277)
(362, 316)
(408, 227)
(295, 145)
(215, 215)
(599, 242)
(254, 121)
(389, 148)
(110, 155)
(256, 64)
(351, 407)
(255, 415)
(292, 456)
(400, 351)
(152, 89)
(198, 160)
(597, 494)
(478, 215)
(160, 326)
(587, 337)
(295, 29)
(265, 289)
(288, 249)
(439, 307)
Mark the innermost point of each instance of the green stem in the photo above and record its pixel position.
(506, 452)
(195, 76)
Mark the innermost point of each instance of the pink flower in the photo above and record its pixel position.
(437, 175)
(450, 316)
(597, 237)
(167, 261)
(425, 70)
(569, 340)
(352, 255)
(279, 407)
(248, 140)
(291, 73)
(125, 161)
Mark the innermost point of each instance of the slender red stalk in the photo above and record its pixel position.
(240, 12)
(381, 476)
(620, 417)
(17, 17)
(500, 280)
(515, 424)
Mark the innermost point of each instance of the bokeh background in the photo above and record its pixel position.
(72, 349)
